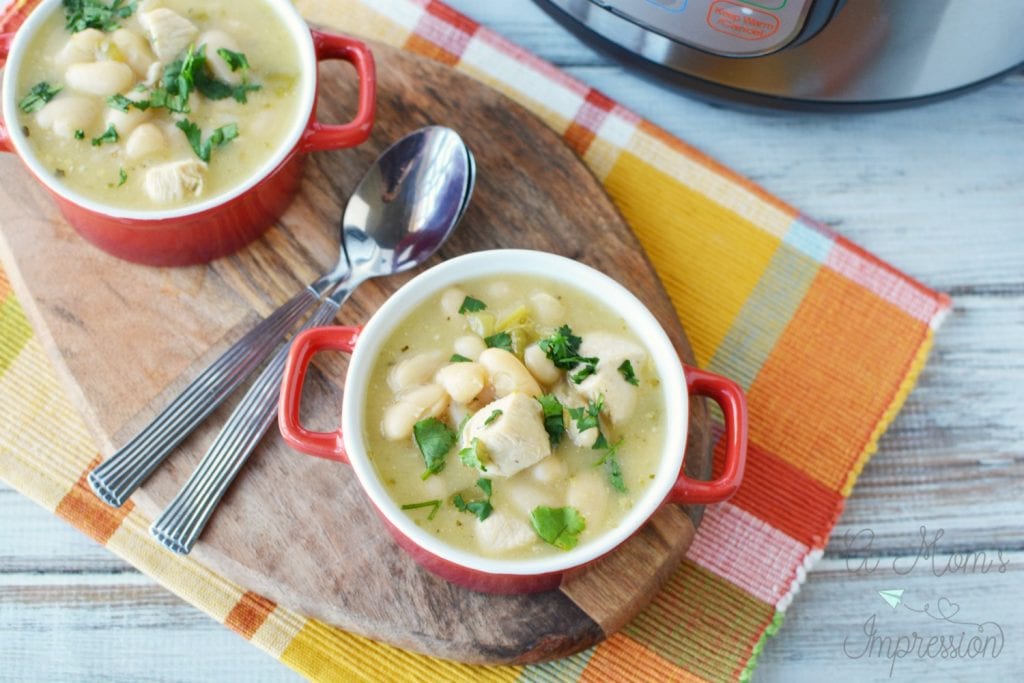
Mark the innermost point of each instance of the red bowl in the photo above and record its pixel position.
(472, 570)
(223, 223)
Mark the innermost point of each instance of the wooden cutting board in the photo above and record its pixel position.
(297, 529)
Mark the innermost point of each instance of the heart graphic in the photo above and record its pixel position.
(947, 608)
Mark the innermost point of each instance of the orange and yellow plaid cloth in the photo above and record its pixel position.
(768, 297)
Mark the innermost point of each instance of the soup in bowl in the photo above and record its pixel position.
(514, 415)
(172, 131)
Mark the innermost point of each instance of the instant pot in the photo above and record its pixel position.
(810, 52)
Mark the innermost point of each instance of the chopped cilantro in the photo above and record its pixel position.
(122, 177)
(38, 96)
(79, 134)
(586, 418)
(474, 455)
(459, 358)
(560, 527)
(493, 417)
(434, 439)
(83, 14)
(610, 460)
(109, 135)
(481, 508)
(235, 60)
(563, 348)
(436, 504)
(554, 417)
(119, 102)
(626, 370)
(471, 305)
(502, 340)
(220, 137)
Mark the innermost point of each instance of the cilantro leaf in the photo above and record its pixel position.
(109, 135)
(554, 417)
(587, 418)
(563, 348)
(119, 102)
(434, 439)
(502, 340)
(471, 305)
(560, 527)
(220, 137)
(626, 370)
(235, 60)
(38, 96)
(83, 14)
(612, 468)
(493, 417)
(459, 358)
(79, 134)
(474, 455)
(436, 504)
(481, 508)
(122, 177)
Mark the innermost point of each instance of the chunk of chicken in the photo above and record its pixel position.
(570, 398)
(169, 32)
(501, 533)
(514, 439)
(619, 395)
(175, 180)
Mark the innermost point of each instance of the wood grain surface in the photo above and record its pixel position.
(300, 530)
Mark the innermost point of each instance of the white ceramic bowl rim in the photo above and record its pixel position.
(552, 267)
(303, 41)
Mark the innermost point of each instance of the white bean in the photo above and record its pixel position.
(214, 41)
(451, 301)
(135, 50)
(470, 346)
(83, 46)
(462, 381)
(498, 290)
(68, 114)
(547, 309)
(550, 470)
(146, 140)
(540, 366)
(100, 78)
(412, 406)
(507, 374)
(415, 370)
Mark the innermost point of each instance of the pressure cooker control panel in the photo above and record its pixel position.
(734, 28)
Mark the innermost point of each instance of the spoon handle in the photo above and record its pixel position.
(179, 525)
(120, 474)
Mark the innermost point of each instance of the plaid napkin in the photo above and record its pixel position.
(826, 339)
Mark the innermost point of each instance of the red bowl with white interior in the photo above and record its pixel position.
(224, 222)
(350, 444)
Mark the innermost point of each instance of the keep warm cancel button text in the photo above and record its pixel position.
(741, 21)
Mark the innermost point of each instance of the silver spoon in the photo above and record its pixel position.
(403, 210)
(118, 476)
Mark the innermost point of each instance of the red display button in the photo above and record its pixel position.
(741, 21)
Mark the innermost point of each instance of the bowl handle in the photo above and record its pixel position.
(729, 396)
(5, 46)
(323, 136)
(305, 345)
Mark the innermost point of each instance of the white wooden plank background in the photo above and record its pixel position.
(938, 191)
